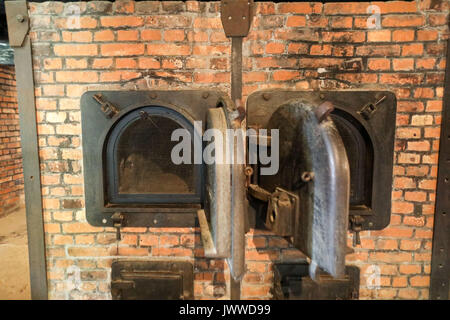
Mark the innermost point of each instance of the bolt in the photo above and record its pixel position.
(205, 95)
(266, 96)
(307, 176)
(20, 18)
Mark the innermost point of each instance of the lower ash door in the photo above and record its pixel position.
(152, 280)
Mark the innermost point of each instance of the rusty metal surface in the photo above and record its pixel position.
(18, 22)
(236, 16)
(152, 280)
(218, 195)
(29, 144)
(373, 195)
(440, 258)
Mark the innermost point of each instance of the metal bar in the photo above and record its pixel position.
(236, 68)
(440, 266)
(30, 155)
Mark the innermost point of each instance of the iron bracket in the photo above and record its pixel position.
(236, 16)
(107, 107)
(18, 22)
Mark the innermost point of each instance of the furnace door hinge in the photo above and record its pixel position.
(118, 222)
(356, 223)
(107, 107)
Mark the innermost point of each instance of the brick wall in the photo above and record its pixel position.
(11, 177)
(151, 45)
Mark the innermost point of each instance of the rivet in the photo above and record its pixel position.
(370, 224)
(205, 95)
(20, 18)
(153, 95)
(229, 18)
(266, 96)
(104, 221)
(155, 221)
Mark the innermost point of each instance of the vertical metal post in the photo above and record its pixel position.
(18, 24)
(236, 17)
(440, 265)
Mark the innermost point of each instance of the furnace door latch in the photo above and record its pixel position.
(118, 222)
(107, 107)
(356, 226)
(282, 209)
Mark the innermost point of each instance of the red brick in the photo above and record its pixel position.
(402, 207)
(403, 21)
(76, 76)
(321, 50)
(427, 35)
(174, 35)
(415, 49)
(342, 22)
(104, 35)
(379, 64)
(379, 36)
(397, 7)
(344, 36)
(418, 146)
(296, 21)
(275, 48)
(150, 35)
(410, 245)
(127, 35)
(410, 269)
(168, 49)
(80, 36)
(121, 21)
(285, 75)
(75, 49)
(403, 64)
(403, 35)
(349, 8)
(420, 281)
(127, 49)
(301, 7)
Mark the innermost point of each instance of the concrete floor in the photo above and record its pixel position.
(14, 271)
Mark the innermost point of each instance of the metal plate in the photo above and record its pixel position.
(236, 16)
(192, 104)
(152, 280)
(380, 128)
(18, 22)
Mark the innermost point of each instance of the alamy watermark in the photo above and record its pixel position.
(227, 147)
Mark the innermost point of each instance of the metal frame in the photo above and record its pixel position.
(190, 104)
(440, 266)
(18, 26)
